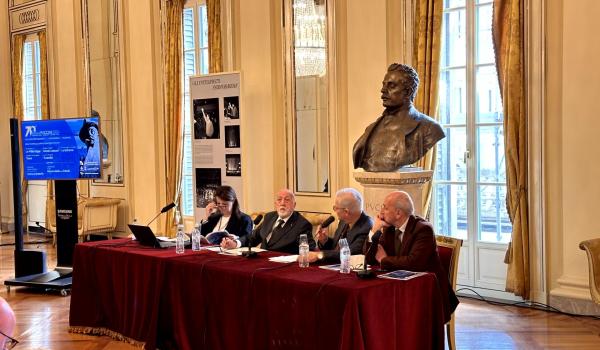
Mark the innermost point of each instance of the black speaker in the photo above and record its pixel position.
(29, 262)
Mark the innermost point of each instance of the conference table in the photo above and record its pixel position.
(206, 300)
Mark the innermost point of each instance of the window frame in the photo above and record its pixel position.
(200, 67)
(473, 127)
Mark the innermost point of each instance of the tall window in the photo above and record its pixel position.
(470, 179)
(32, 86)
(195, 61)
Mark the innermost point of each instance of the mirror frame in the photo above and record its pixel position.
(117, 29)
(290, 100)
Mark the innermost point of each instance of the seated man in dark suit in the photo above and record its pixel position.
(354, 226)
(404, 241)
(280, 229)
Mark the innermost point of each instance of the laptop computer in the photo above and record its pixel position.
(145, 236)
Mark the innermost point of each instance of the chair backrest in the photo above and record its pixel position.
(449, 250)
(592, 248)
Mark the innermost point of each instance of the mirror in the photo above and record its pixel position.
(101, 36)
(310, 86)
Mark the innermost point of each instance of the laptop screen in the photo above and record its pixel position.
(144, 235)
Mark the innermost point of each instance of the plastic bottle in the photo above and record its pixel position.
(196, 237)
(180, 240)
(303, 251)
(344, 256)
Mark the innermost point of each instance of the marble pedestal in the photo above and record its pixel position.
(379, 185)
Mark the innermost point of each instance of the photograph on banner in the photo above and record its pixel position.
(206, 118)
(207, 182)
(232, 136)
(232, 107)
(233, 163)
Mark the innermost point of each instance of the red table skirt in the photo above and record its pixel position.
(203, 300)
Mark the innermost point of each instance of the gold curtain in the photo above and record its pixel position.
(508, 34)
(17, 75)
(17, 82)
(213, 11)
(426, 55)
(172, 56)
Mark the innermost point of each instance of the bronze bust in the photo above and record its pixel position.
(402, 135)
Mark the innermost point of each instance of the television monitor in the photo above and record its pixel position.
(61, 149)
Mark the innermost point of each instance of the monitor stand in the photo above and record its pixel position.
(30, 266)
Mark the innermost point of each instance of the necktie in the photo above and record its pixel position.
(280, 223)
(398, 241)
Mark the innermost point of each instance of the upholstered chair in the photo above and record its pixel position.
(592, 248)
(449, 250)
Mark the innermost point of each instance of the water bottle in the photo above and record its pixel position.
(303, 251)
(344, 256)
(196, 237)
(180, 240)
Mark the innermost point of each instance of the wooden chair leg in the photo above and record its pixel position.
(450, 334)
(53, 239)
(109, 235)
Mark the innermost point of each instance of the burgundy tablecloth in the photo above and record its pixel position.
(203, 300)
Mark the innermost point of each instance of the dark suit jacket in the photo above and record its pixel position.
(285, 239)
(241, 227)
(421, 133)
(417, 253)
(356, 237)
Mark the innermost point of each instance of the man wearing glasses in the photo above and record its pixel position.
(280, 230)
(354, 226)
(7, 326)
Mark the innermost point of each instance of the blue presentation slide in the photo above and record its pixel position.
(61, 149)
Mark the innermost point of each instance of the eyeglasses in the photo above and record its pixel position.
(284, 200)
(340, 208)
(10, 342)
(222, 204)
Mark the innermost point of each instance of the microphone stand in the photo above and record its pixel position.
(365, 273)
(249, 253)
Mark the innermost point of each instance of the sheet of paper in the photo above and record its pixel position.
(284, 258)
(238, 251)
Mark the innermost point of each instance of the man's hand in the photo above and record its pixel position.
(379, 223)
(322, 234)
(380, 253)
(313, 256)
(228, 243)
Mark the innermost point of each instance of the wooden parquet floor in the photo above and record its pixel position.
(43, 319)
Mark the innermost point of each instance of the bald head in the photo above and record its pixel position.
(7, 321)
(397, 207)
(402, 201)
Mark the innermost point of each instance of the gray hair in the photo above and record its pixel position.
(355, 203)
(405, 203)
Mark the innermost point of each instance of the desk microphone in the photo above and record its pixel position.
(249, 253)
(165, 209)
(258, 219)
(365, 273)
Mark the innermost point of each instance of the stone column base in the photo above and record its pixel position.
(379, 185)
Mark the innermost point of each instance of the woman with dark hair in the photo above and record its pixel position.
(223, 214)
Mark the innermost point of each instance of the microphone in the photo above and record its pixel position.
(258, 219)
(249, 253)
(327, 221)
(165, 209)
(365, 273)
